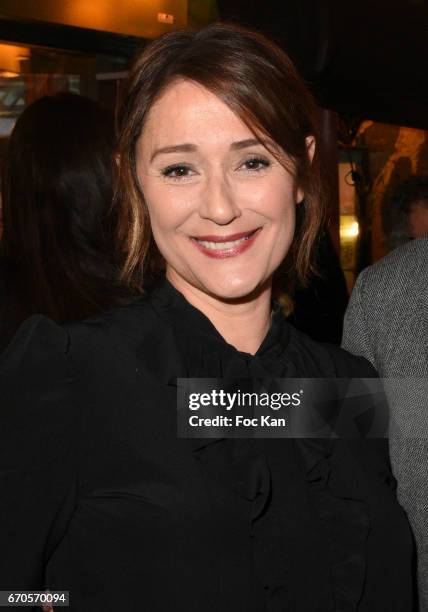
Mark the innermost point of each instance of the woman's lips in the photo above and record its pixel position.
(220, 247)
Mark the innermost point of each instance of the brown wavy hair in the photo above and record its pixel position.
(258, 82)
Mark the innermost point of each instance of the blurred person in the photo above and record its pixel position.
(387, 322)
(405, 213)
(220, 194)
(56, 251)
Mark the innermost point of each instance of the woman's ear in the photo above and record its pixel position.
(310, 150)
(310, 147)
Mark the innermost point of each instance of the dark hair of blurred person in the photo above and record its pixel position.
(56, 198)
(318, 307)
(405, 212)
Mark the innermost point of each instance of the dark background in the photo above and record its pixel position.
(364, 58)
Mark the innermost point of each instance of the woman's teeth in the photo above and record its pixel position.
(219, 246)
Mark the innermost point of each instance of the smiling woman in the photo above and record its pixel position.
(217, 145)
(218, 193)
(223, 197)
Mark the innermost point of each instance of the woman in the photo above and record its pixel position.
(217, 155)
(56, 255)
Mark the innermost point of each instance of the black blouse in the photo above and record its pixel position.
(99, 497)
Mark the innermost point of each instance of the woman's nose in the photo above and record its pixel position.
(218, 201)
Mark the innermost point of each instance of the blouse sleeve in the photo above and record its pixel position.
(39, 432)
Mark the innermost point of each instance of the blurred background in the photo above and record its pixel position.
(366, 63)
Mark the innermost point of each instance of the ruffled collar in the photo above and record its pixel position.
(184, 317)
(204, 353)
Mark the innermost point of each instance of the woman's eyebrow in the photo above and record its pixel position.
(190, 148)
(242, 144)
(185, 147)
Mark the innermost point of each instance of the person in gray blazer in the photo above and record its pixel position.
(387, 322)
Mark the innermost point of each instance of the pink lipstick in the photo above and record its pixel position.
(220, 247)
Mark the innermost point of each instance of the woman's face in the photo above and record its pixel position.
(222, 208)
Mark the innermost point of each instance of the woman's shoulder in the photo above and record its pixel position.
(122, 329)
(332, 360)
(37, 340)
(42, 342)
(370, 447)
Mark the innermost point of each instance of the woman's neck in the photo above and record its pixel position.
(243, 323)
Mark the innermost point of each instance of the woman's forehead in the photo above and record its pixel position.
(188, 112)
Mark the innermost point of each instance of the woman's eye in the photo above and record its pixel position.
(256, 164)
(177, 172)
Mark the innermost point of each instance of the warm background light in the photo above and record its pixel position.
(131, 17)
(11, 57)
(348, 227)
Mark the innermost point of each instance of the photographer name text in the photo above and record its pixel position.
(238, 420)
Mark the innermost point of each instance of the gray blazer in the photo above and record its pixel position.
(387, 322)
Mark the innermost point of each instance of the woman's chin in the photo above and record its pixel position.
(225, 286)
(234, 289)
